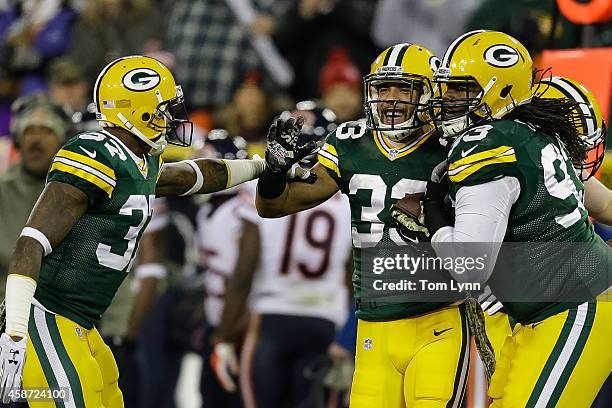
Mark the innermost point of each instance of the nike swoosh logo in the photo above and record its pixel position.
(437, 333)
(468, 151)
(90, 154)
(415, 240)
(533, 326)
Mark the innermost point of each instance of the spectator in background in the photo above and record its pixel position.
(431, 23)
(39, 130)
(250, 111)
(108, 29)
(33, 32)
(311, 28)
(69, 88)
(213, 50)
(341, 86)
(529, 21)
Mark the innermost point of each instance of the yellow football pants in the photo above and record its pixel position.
(559, 362)
(418, 362)
(498, 329)
(64, 355)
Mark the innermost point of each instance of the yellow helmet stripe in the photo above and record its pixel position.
(397, 55)
(573, 92)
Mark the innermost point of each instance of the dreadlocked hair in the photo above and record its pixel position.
(554, 117)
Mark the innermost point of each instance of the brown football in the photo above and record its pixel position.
(411, 205)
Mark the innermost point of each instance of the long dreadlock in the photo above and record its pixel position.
(554, 117)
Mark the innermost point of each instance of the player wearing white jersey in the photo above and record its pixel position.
(218, 233)
(295, 269)
(302, 266)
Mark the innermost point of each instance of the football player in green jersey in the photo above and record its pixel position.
(409, 353)
(511, 178)
(591, 128)
(81, 238)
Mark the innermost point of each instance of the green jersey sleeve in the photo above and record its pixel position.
(85, 162)
(480, 155)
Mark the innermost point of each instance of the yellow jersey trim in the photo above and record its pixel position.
(88, 161)
(328, 162)
(108, 188)
(471, 169)
(487, 154)
(402, 151)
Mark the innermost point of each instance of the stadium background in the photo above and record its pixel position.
(240, 64)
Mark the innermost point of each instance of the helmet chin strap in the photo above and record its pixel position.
(157, 148)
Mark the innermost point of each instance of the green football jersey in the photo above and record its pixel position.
(79, 278)
(548, 210)
(374, 175)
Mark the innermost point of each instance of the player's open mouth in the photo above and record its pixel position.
(393, 116)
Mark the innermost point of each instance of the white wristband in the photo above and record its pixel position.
(38, 236)
(240, 171)
(19, 293)
(151, 270)
(199, 178)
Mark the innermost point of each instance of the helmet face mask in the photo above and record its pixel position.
(394, 104)
(397, 91)
(171, 120)
(454, 104)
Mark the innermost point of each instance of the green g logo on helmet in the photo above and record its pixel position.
(501, 56)
(141, 79)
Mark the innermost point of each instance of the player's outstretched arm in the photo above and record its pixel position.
(598, 200)
(296, 196)
(206, 175)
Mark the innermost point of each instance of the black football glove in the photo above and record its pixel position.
(437, 213)
(283, 149)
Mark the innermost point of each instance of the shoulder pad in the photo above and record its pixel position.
(86, 162)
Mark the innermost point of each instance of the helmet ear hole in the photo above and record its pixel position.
(146, 116)
(504, 92)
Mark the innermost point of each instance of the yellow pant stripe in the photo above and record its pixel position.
(54, 373)
(62, 354)
(67, 364)
(564, 356)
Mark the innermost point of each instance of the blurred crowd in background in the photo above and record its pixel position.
(240, 64)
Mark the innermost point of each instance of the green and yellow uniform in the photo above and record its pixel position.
(558, 355)
(78, 280)
(404, 353)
